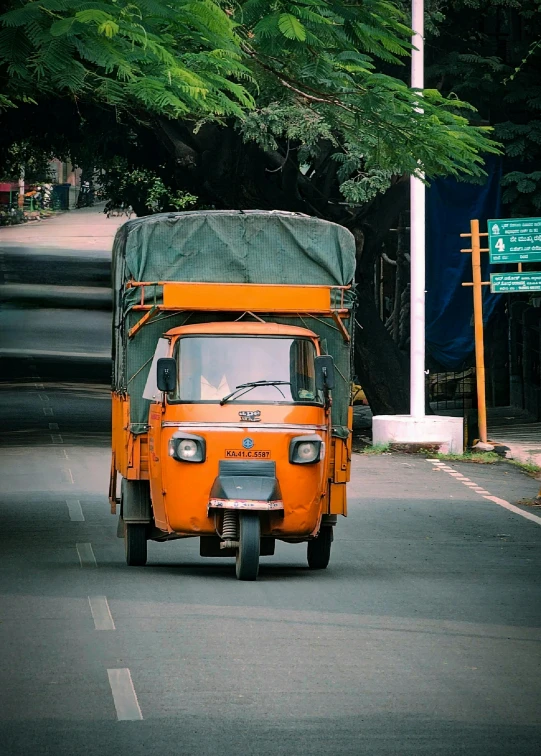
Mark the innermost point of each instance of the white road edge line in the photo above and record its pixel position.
(502, 502)
(86, 555)
(516, 510)
(75, 511)
(101, 613)
(126, 703)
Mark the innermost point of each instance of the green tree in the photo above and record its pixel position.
(493, 62)
(300, 105)
(175, 58)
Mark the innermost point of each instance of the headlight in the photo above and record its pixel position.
(305, 450)
(184, 447)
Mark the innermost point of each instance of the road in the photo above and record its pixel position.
(63, 345)
(55, 316)
(422, 637)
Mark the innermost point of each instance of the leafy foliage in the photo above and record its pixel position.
(141, 188)
(175, 58)
(322, 73)
(522, 191)
(36, 163)
(299, 73)
(493, 62)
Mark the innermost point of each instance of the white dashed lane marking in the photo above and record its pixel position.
(101, 613)
(75, 511)
(483, 492)
(86, 555)
(126, 703)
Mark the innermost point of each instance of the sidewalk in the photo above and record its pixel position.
(513, 427)
(84, 229)
(508, 426)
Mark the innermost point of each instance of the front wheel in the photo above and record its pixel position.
(319, 550)
(248, 552)
(135, 542)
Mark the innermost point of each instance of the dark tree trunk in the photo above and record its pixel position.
(381, 367)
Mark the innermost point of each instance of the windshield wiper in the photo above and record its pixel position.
(255, 384)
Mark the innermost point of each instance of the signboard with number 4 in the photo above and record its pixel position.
(516, 240)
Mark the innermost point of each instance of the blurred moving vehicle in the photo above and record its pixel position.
(231, 387)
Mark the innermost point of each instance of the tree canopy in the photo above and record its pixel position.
(301, 105)
(493, 62)
(303, 70)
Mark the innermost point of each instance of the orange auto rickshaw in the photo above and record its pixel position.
(231, 399)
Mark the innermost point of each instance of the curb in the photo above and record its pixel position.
(73, 297)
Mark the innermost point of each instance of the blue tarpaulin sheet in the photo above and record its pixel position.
(450, 205)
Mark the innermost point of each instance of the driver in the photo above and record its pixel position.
(214, 383)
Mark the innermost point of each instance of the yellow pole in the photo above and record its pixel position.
(478, 327)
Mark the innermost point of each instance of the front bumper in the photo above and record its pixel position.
(246, 485)
(252, 504)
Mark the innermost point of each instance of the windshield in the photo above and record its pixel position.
(211, 367)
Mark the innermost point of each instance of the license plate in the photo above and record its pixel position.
(247, 454)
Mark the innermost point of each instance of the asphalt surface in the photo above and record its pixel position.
(422, 637)
(55, 301)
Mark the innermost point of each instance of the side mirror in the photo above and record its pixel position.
(166, 374)
(324, 367)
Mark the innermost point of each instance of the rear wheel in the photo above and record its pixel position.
(248, 551)
(319, 550)
(135, 542)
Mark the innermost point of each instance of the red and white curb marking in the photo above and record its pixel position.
(482, 491)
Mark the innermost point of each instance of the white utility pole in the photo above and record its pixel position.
(417, 428)
(417, 237)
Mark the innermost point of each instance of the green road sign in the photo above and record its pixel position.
(514, 240)
(501, 283)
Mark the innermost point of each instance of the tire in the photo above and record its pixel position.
(319, 550)
(247, 566)
(135, 542)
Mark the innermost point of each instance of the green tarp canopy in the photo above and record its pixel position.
(227, 246)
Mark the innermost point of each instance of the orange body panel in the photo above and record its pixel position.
(244, 329)
(253, 297)
(338, 501)
(180, 491)
(130, 451)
